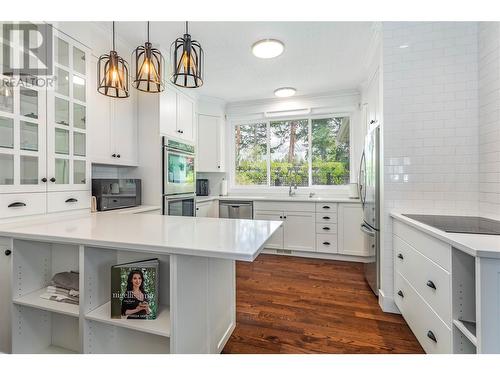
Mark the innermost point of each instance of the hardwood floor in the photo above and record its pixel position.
(300, 305)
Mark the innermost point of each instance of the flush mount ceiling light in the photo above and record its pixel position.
(187, 59)
(268, 48)
(112, 74)
(148, 64)
(285, 92)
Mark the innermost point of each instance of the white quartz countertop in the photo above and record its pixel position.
(207, 237)
(284, 198)
(478, 245)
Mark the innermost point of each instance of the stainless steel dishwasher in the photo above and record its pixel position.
(235, 210)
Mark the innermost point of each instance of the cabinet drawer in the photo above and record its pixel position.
(434, 249)
(326, 207)
(327, 217)
(326, 228)
(422, 320)
(326, 243)
(68, 200)
(22, 204)
(431, 281)
(283, 206)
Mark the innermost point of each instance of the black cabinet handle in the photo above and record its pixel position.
(115, 200)
(71, 200)
(118, 155)
(8, 252)
(400, 256)
(197, 208)
(17, 204)
(53, 179)
(400, 293)
(431, 335)
(326, 243)
(218, 166)
(326, 217)
(431, 285)
(326, 207)
(114, 155)
(326, 228)
(44, 179)
(372, 122)
(284, 217)
(281, 217)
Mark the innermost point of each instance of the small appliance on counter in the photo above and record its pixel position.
(114, 193)
(202, 188)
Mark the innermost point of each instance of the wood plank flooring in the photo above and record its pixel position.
(300, 305)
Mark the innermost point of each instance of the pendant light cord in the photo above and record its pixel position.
(113, 35)
(186, 27)
(148, 31)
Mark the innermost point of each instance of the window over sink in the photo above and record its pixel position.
(306, 152)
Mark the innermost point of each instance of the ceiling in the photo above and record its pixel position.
(319, 57)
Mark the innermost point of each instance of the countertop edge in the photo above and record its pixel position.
(443, 236)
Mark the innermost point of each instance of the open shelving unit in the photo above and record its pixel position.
(464, 303)
(33, 299)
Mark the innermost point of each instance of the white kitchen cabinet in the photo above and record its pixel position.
(210, 144)
(176, 115)
(168, 113)
(207, 209)
(5, 294)
(298, 231)
(113, 126)
(276, 240)
(350, 237)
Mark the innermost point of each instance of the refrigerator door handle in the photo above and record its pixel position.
(362, 187)
(367, 230)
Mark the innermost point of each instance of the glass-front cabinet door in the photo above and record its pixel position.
(67, 164)
(22, 136)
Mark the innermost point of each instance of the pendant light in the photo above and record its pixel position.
(112, 74)
(148, 63)
(187, 60)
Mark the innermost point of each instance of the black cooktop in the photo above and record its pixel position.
(459, 224)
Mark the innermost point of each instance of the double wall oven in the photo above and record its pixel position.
(179, 178)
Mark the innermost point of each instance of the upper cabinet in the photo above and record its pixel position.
(210, 144)
(113, 133)
(176, 115)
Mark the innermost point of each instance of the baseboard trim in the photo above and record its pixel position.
(225, 338)
(306, 254)
(387, 303)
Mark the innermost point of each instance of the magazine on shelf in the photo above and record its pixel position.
(134, 290)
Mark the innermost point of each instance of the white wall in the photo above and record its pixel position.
(489, 118)
(430, 106)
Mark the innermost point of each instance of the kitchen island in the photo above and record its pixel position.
(196, 292)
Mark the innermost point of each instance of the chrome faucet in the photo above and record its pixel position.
(293, 182)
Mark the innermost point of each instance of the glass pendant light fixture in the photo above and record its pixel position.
(187, 59)
(112, 74)
(148, 64)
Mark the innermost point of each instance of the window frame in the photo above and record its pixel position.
(267, 187)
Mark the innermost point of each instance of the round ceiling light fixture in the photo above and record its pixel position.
(285, 92)
(268, 48)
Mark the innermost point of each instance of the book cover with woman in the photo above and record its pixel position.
(134, 292)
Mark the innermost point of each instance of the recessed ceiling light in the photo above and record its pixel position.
(268, 48)
(403, 46)
(285, 92)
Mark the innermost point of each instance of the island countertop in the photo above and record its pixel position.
(207, 237)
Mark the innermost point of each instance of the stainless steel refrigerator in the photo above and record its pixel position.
(369, 191)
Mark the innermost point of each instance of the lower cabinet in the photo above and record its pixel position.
(207, 209)
(296, 233)
(350, 239)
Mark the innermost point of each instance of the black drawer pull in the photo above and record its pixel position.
(44, 179)
(326, 217)
(8, 252)
(71, 200)
(430, 284)
(326, 243)
(53, 179)
(281, 217)
(118, 155)
(431, 335)
(114, 155)
(400, 256)
(17, 204)
(326, 228)
(326, 207)
(400, 293)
